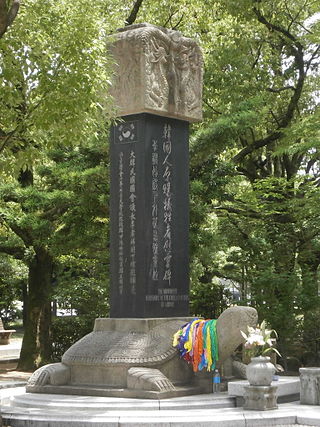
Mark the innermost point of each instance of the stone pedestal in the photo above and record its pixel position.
(121, 357)
(260, 398)
(288, 389)
(135, 358)
(5, 334)
(310, 386)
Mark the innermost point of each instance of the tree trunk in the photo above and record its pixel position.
(283, 241)
(25, 301)
(309, 261)
(36, 345)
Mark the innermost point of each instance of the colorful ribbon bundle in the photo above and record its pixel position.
(197, 343)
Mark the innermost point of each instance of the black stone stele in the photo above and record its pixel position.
(149, 217)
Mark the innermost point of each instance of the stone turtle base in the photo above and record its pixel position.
(135, 356)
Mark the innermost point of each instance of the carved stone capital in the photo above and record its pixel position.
(158, 71)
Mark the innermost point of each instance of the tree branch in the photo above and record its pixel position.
(53, 213)
(23, 234)
(15, 251)
(297, 52)
(245, 213)
(311, 163)
(237, 226)
(281, 89)
(169, 19)
(10, 198)
(7, 16)
(249, 173)
(255, 62)
(275, 117)
(295, 19)
(312, 58)
(211, 108)
(277, 28)
(178, 23)
(256, 145)
(134, 13)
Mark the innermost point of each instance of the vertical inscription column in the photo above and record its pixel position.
(167, 201)
(132, 212)
(120, 226)
(149, 217)
(124, 211)
(155, 209)
(166, 217)
(157, 89)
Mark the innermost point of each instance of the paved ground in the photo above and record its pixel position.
(9, 356)
(14, 375)
(39, 410)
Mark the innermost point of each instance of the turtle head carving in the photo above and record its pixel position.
(229, 324)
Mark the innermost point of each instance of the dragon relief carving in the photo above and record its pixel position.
(158, 87)
(127, 74)
(158, 70)
(187, 97)
(174, 76)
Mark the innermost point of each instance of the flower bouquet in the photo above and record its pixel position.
(260, 341)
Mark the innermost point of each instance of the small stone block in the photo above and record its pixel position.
(260, 398)
(310, 386)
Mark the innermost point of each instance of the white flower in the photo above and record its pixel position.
(255, 339)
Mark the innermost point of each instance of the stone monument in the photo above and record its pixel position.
(157, 90)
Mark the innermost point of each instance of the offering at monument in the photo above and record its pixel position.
(197, 342)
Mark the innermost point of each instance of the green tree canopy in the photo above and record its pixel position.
(54, 78)
(261, 80)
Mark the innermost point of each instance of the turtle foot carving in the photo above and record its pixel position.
(148, 379)
(53, 374)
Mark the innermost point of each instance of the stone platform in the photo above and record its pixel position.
(91, 390)
(10, 351)
(9, 354)
(19, 409)
(288, 389)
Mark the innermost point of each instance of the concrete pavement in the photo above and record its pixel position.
(19, 409)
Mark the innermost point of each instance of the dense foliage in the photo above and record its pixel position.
(262, 130)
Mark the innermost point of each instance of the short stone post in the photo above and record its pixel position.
(310, 386)
(260, 394)
(260, 398)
